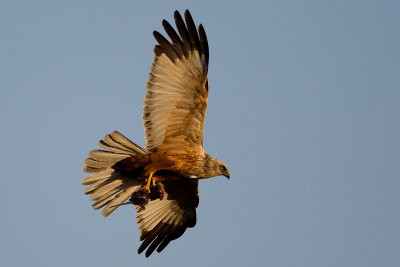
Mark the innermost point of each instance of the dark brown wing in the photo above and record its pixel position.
(162, 221)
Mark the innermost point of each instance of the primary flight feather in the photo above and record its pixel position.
(161, 180)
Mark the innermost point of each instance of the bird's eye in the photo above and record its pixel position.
(222, 167)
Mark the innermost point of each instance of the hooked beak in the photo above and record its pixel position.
(227, 175)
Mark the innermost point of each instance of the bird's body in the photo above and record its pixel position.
(184, 166)
(174, 159)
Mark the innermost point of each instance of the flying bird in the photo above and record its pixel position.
(161, 179)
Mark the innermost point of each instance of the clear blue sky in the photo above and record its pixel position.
(303, 108)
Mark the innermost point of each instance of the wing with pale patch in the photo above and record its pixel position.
(162, 221)
(176, 99)
(108, 187)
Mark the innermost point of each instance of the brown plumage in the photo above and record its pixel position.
(162, 180)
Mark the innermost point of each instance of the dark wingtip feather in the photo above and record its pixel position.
(191, 27)
(180, 25)
(157, 51)
(176, 40)
(189, 38)
(164, 244)
(165, 46)
(204, 42)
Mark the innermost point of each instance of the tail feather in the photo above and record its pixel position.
(122, 197)
(109, 142)
(119, 138)
(117, 143)
(93, 187)
(101, 155)
(97, 164)
(105, 200)
(95, 177)
(92, 170)
(107, 186)
(106, 189)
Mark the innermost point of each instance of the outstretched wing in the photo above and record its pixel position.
(162, 221)
(176, 99)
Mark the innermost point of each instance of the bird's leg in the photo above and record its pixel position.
(154, 181)
(146, 187)
(152, 190)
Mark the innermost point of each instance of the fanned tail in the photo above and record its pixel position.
(107, 186)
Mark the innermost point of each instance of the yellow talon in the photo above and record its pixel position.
(153, 181)
(146, 187)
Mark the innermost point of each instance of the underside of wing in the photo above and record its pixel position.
(161, 221)
(176, 99)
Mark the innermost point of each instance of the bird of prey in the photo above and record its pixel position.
(161, 179)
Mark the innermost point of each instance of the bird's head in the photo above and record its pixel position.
(222, 169)
(214, 167)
